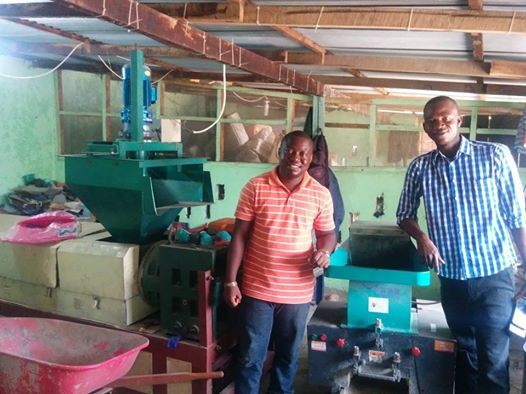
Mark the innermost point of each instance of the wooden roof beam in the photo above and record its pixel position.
(508, 69)
(477, 44)
(349, 17)
(179, 33)
(207, 76)
(394, 64)
(101, 49)
(359, 74)
(301, 39)
(475, 4)
(474, 88)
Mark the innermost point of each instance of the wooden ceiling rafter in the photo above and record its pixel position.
(301, 39)
(477, 41)
(393, 64)
(496, 69)
(477, 44)
(507, 69)
(475, 4)
(179, 33)
(101, 49)
(359, 74)
(350, 17)
(475, 88)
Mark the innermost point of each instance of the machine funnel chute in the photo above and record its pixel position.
(136, 202)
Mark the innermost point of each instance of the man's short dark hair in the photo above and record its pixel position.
(289, 137)
(438, 99)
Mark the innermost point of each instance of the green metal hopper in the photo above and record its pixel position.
(381, 264)
(136, 200)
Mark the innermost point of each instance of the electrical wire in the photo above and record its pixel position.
(222, 106)
(248, 100)
(47, 72)
(109, 68)
(160, 79)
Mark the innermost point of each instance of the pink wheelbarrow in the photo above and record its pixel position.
(54, 356)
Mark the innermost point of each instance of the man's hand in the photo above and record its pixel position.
(429, 253)
(321, 258)
(232, 296)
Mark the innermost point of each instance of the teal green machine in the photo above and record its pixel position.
(380, 334)
(136, 187)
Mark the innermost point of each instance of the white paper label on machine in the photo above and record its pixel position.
(378, 305)
(318, 346)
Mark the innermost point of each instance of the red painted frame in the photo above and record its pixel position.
(205, 356)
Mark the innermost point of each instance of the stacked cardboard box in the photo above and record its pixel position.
(86, 277)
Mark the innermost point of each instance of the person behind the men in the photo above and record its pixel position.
(272, 241)
(474, 208)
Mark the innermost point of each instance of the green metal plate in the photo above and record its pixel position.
(416, 274)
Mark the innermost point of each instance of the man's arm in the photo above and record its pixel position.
(426, 248)
(519, 237)
(236, 250)
(325, 244)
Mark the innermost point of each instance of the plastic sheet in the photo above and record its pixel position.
(48, 227)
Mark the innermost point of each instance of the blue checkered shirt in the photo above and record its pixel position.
(471, 203)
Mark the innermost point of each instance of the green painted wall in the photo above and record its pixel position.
(29, 125)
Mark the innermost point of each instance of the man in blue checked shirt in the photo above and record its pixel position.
(474, 208)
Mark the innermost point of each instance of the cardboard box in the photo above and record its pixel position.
(109, 270)
(35, 296)
(36, 264)
(105, 310)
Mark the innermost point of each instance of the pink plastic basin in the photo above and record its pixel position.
(55, 356)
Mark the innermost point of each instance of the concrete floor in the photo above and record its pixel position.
(302, 385)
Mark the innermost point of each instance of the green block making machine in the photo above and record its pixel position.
(136, 187)
(380, 334)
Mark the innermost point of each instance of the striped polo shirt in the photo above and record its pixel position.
(471, 202)
(276, 265)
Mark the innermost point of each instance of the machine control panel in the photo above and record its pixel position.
(406, 359)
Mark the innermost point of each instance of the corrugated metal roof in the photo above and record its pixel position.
(98, 30)
(202, 65)
(440, 45)
(395, 43)
(512, 47)
(20, 33)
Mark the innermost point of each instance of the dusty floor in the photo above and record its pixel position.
(302, 385)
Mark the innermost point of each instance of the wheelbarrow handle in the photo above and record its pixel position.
(165, 378)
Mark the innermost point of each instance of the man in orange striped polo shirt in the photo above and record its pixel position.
(276, 215)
